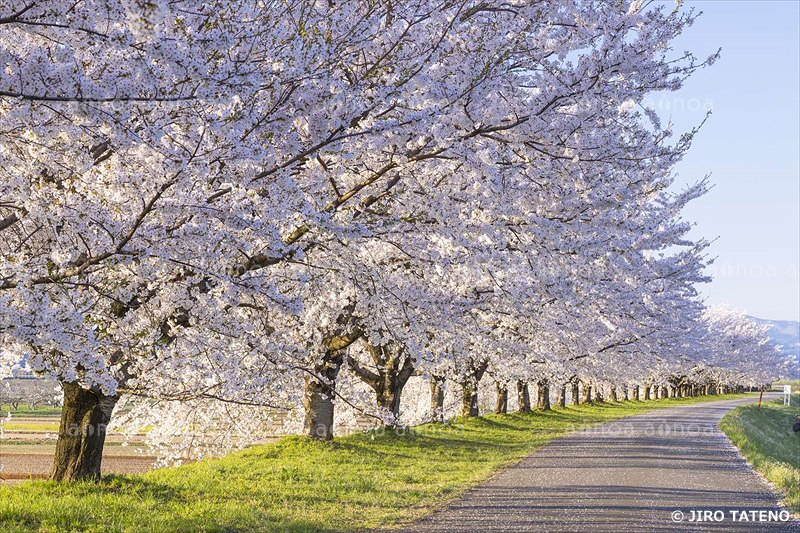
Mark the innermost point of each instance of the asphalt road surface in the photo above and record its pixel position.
(650, 472)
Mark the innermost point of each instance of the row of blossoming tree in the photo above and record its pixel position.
(229, 207)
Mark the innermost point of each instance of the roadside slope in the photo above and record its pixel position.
(765, 438)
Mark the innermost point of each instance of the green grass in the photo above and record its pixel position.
(778, 385)
(361, 481)
(27, 410)
(766, 439)
(45, 428)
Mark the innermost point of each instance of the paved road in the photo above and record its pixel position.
(628, 475)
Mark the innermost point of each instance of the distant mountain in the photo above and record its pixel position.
(786, 334)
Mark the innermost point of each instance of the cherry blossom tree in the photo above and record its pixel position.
(229, 206)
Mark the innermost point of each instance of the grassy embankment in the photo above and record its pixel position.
(778, 385)
(766, 439)
(355, 482)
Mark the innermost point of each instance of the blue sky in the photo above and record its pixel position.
(751, 148)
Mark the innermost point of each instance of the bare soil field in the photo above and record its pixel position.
(27, 447)
(28, 444)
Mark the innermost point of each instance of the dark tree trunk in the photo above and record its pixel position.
(636, 393)
(469, 399)
(320, 388)
(81, 434)
(647, 392)
(625, 393)
(598, 394)
(613, 395)
(523, 397)
(389, 399)
(320, 395)
(562, 396)
(437, 398)
(469, 406)
(587, 393)
(543, 396)
(501, 406)
(576, 393)
(394, 368)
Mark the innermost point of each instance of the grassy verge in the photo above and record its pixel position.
(795, 384)
(766, 439)
(45, 428)
(28, 411)
(360, 481)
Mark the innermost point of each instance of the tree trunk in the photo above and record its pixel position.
(469, 399)
(543, 396)
(598, 394)
(613, 395)
(576, 393)
(636, 396)
(561, 401)
(81, 434)
(625, 393)
(320, 388)
(394, 368)
(587, 393)
(319, 396)
(501, 406)
(647, 392)
(523, 397)
(389, 400)
(437, 398)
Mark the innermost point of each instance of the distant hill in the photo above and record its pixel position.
(786, 334)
